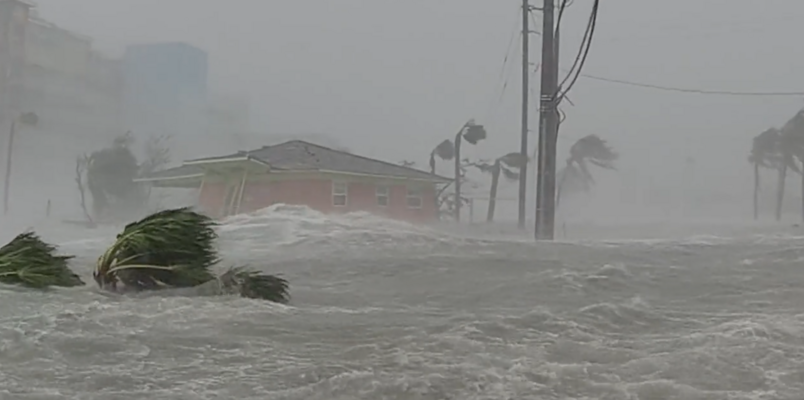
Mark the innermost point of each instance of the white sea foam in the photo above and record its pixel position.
(387, 309)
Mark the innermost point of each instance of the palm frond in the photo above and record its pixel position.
(445, 150)
(171, 248)
(593, 147)
(255, 285)
(474, 133)
(515, 160)
(482, 165)
(603, 164)
(509, 174)
(30, 262)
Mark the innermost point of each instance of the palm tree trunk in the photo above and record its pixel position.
(802, 193)
(458, 176)
(561, 184)
(756, 191)
(780, 191)
(495, 180)
(432, 162)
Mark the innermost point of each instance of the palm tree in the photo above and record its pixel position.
(472, 133)
(505, 165)
(764, 153)
(589, 149)
(445, 151)
(791, 146)
(110, 173)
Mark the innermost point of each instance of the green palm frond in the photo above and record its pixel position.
(30, 262)
(256, 285)
(171, 248)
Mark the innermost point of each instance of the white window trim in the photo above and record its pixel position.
(418, 195)
(345, 193)
(382, 191)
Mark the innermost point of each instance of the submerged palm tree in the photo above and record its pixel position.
(509, 166)
(177, 249)
(765, 152)
(587, 150)
(28, 261)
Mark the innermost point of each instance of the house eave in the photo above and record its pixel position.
(169, 178)
(226, 160)
(434, 179)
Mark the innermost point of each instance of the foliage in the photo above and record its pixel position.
(173, 248)
(110, 174)
(766, 149)
(445, 150)
(473, 133)
(589, 149)
(255, 285)
(176, 248)
(30, 262)
(509, 166)
(506, 165)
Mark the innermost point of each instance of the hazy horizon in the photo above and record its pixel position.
(391, 80)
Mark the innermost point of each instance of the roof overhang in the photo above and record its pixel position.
(229, 164)
(179, 181)
(433, 179)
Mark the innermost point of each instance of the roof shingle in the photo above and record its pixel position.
(298, 155)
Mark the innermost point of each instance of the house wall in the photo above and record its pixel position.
(315, 191)
(211, 198)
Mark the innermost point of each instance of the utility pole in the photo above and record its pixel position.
(523, 178)
(548, 124)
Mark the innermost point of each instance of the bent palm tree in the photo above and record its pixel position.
(30, 262)
(505, 165)
(587, 150)
(764, 153)
(790, 146)
(445, 151)
(472, 133)
(176, 249)
(791, 142)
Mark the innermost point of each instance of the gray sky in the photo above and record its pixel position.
(393, 78)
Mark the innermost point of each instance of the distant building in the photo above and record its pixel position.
(74, 90)
(303, 173)
(13, 22)
(165, 89)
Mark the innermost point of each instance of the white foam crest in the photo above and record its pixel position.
(282, 224)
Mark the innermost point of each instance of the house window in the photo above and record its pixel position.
(414, 198)
(340, 192)
(382, 196)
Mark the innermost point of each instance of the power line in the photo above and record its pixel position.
(688, 90)
(504, 70)
(583, 52)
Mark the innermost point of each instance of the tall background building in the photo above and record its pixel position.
(84, 99)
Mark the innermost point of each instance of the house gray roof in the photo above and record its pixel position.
(298, 155)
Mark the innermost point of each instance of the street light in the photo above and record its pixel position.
(24, 119)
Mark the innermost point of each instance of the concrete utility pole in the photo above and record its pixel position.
(548, 127)
(523, 176)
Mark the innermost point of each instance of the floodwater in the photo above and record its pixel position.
(385, 310)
